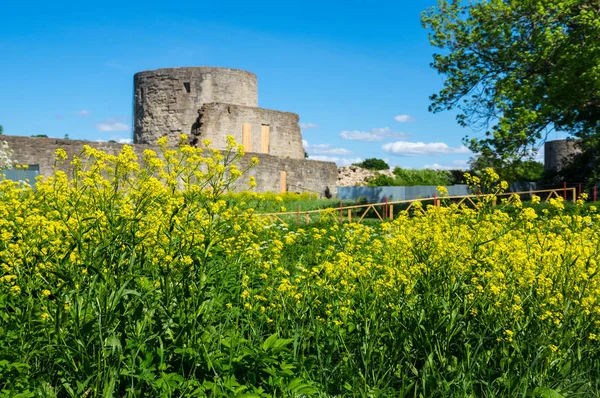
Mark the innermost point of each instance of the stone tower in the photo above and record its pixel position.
(166, 100)
(205, 103)
(558, 153)
(208, 102)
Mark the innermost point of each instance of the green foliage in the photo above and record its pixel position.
(509, 170)
(410, 177)
(269, 202)
(123, 282)
(518, 69)
(40, 136)
(373, 164)
(383, 180)
(127, 322)
(1, 130)
(423, 177)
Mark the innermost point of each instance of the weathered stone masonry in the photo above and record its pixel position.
(211, 103)
(301, 175)
(279, 132)
(205, 103)
(166, 101)
(559, 153)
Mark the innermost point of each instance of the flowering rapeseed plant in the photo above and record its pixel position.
(139, 275)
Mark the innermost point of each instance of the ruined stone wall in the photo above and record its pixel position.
(216, 121)
(299, 174)
(40, 151)
(166, 101)
(558, 153)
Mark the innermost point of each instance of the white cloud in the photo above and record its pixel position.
(83, 113)
(112, 125)
(322, 152)
(306, 126)
(407, 148)
(338, 161)
(324, 149)
(118, 139)
(375, 135)
(455, 165)
(404, 119)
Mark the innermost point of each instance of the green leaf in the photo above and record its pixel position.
(269, 342)
(545, 392)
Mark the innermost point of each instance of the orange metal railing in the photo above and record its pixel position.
(356, 213)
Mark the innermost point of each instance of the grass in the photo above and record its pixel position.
(128, 280)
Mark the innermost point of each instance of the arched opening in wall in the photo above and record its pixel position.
(187, 86)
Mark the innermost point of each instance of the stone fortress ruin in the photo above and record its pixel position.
(211, 103)
(558, 153)
(205, 103)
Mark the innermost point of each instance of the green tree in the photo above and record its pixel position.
(382, 180)
(509, 169)
(410, 177)
(1, 129)
(373, 164)
(518, 70)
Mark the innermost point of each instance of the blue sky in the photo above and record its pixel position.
(357, 72)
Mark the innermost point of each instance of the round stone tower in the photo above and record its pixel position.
(166, 101)
(558, 153)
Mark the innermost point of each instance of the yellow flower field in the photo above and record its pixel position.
(141, 277)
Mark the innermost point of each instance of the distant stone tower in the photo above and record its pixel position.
(557, 153)
(205, 103)
(166, 101)
(211, 103)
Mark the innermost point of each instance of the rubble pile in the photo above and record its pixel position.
(352, 176)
